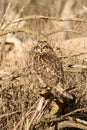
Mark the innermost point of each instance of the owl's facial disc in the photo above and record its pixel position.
(42, 49)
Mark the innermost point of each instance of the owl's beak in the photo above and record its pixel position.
(41, 51)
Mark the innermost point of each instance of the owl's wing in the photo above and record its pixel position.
(60, 89)
(59, 68)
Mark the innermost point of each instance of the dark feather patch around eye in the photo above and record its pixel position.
(37, 47)
(46, 47)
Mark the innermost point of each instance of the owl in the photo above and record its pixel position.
(49, 68)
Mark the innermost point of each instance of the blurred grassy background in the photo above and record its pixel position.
(11, 10)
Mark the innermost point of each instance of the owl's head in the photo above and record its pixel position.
(42, 48)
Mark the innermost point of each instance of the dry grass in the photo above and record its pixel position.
(22, 24)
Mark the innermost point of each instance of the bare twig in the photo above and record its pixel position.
(7, 9)
(62, 30)
(9, 114)
(24, 6)
(5, 32)
(43, 17)
(73, 124)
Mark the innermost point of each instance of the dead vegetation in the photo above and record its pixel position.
(63, 24)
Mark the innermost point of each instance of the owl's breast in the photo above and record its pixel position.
(46, 69)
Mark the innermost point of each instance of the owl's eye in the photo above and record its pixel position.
(37, 47)
(46, 47)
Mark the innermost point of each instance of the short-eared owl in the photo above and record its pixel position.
(49, 68)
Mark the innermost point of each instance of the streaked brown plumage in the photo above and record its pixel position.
(49, 68)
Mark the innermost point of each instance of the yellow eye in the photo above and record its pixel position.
(46, 47)
(37, 47)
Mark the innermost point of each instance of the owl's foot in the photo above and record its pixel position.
(45, 92)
